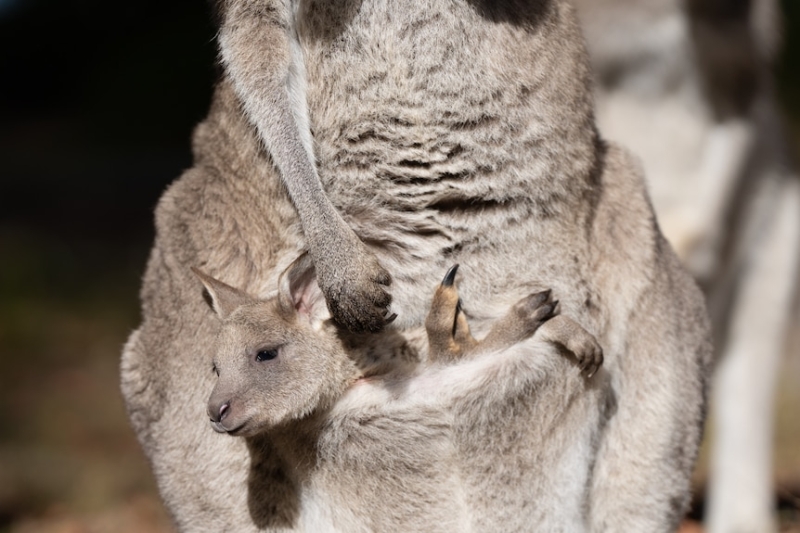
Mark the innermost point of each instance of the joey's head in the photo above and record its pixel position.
(275, 359)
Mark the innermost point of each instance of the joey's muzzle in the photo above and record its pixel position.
(217, 412)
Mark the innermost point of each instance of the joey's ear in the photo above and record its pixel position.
(224, 298)
(298, 291)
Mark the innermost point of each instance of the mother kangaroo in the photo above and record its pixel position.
(391, 141)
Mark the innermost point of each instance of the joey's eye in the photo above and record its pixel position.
(215, 369)
(267, 355)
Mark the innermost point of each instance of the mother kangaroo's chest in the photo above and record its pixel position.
(426, 107)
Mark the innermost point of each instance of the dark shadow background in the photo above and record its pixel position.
(97, 103)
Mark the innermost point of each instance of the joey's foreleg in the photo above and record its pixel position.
(260, 52)
(523, 320)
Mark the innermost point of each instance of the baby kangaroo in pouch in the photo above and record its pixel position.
(341, 423)
(280, 359)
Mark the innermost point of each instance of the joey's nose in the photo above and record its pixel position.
(218, 414)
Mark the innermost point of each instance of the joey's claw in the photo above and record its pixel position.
(383, 278)
(590, 368)
(450, 277)
(596, 362)
(553, 309)
(535, 309)
(547, 311)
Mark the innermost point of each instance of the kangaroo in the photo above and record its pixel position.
(688, 86)
(441, 132)
(368, 450)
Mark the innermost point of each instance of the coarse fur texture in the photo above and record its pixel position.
(688, 86)
(443, 132)
(377, 453)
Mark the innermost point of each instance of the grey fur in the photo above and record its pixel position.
(443, 132)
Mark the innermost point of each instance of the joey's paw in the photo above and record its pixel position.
(521, 321)
(580, 343)
(356, 291)
(534, 310)
(588, 352)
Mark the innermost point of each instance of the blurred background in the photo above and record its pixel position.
(97, 103)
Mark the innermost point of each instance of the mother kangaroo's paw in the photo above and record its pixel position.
(355, 287)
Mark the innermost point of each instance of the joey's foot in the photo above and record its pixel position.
(448, 330)
(355, 287)
(587, 351)
(446, 325)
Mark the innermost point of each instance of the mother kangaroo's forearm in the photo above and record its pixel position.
(259, 51)
(261, 55)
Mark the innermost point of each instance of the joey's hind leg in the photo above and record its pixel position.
(448, 330)
(446, 326)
